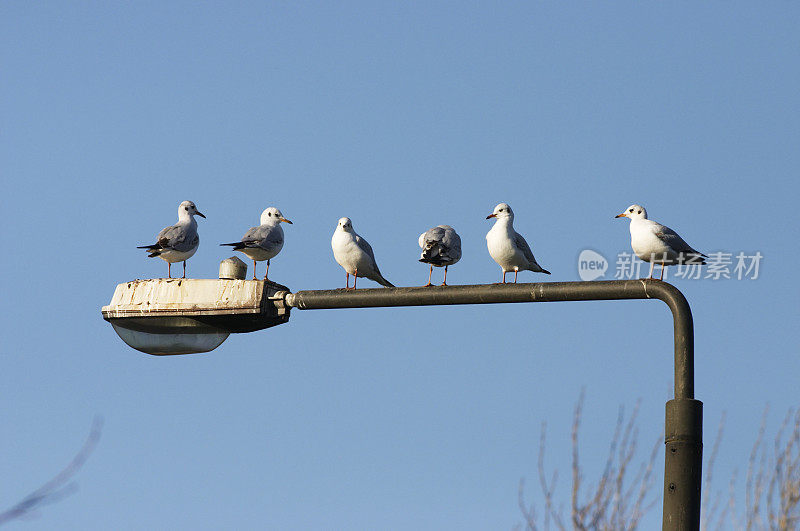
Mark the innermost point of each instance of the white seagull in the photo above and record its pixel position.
(355, 255)
(265, 241)
(180, 241)
(441, 247)
(507, 247)
(655, 243)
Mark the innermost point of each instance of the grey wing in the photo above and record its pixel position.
(671, 238)
(252, 235)
(365, 246)
(378, 276)
(265, 237)
(178, 238)
(523, 246)
(433, 241)
(436, 234)
(272, 239)
(451, 242)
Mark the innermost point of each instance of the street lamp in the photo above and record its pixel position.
(167, 316)
(684, 415)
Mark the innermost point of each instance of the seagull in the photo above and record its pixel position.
(178, 242)
(441, 247)
(653, 242)
(355, 255)
(265, 241)
(507, 247)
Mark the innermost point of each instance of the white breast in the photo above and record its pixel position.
(646, 244)
(502, 249)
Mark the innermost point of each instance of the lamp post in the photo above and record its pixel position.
(180, 316)
(683, 426)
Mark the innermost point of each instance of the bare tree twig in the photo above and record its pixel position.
(550, 511)
(616, 501)
(754, 487)
(59, 486)
(772, 488)
(709, 512)
(576, 470)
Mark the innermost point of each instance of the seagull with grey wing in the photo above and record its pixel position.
(655, 243)
(355, 255)
(507, 247)
(441, 247)
(178, 242)
(265, 241)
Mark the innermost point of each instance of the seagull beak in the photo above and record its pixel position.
(286, 221)
(490, 216)
(623, 215)
(200, 214)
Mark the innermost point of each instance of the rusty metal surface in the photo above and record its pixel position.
(173, 306)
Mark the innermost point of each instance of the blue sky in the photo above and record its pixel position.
(401, 116)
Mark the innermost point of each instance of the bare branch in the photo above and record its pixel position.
(549, 510)
(772, 489)
(577, 517)
(616, 501)
(754, 487)
(527, 511)
(59, 486)
(709, 512)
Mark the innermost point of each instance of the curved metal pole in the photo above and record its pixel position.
(683, 423)
(545, 292)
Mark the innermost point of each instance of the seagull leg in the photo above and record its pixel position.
(347, 280)
(169, 270)
(429, 278)
(515, 275)
(444, 283)
(254, 270)
(662, 272)
(184, 269)
(267, 271)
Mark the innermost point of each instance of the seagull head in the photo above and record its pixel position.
(187, 209)
(633, 212)
(502, 211)
(273, 216)
(345, 225)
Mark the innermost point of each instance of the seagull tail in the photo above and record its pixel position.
(694, 258)
(383, 282)
(236, 245)
(153, 250)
